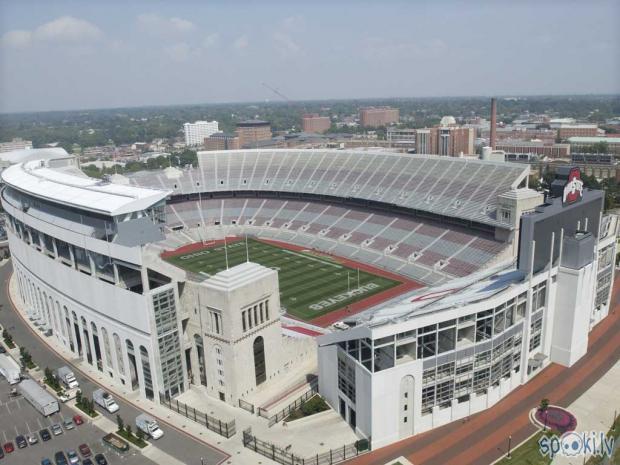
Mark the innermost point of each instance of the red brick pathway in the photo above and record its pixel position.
(483, 438)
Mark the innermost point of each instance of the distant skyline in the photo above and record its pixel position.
(65, 55)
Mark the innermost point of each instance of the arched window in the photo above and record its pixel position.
(119, 354)
(146, 373)
(259, 360)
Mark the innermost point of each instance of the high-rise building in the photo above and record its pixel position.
(251, 131)
(16, 144)
(446, 141)
(195, 133)
(222, 141)
(373, 117)
(314, 123)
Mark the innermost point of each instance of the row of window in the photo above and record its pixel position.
(255, 315)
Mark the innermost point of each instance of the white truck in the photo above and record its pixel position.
(66, 377)
(38, 397)
(105, 400)
(149, 426)
(10, 369)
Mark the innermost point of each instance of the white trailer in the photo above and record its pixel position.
(105, 400)
(39, 398)
(148, 425)
(10, 369)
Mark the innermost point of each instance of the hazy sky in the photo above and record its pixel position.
(90, 54)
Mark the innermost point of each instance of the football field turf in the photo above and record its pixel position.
(310, 285)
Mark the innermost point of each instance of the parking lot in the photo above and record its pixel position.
(18, 417)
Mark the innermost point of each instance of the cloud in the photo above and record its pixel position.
(64, 29)
(293, 23)
(285, 44)
(211, 40)
(67, 29)
(181, 52)
(241, 42)
(16, 39)
(159, 25)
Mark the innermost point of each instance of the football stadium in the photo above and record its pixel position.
(420, 288)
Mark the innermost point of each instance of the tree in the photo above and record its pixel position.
(78, 398)
(140, 434)
(544, 404)
(119, 422)
(128, 429)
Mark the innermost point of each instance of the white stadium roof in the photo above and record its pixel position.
(39, 179)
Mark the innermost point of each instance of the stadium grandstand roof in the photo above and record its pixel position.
(452, 187)
(41, 179)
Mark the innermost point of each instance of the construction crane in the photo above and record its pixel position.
(277, 92)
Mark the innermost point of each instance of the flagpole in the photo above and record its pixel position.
(247, 251)
(225, 251)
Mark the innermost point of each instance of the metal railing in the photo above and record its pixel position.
(246, 406)
(284, 456)
(226, 429)
(286, 411)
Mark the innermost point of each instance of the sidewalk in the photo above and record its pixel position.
(595, 409)
(303, 437)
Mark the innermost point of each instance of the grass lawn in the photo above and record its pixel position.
(528, 453)
(310, 286)
(313, 405)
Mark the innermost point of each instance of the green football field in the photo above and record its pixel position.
(310, 286)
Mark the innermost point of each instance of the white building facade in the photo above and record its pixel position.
(446, 352)
(195, 133)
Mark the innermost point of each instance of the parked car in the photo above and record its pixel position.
(87, 462)
(8, 447)
(78, 420)
(21, 442)
(56, 429)
(46, 461)
(45, 434)
(85, 450)
(2, 349)
(1, 453)
(73, 457)
(32, 439)
(68, 424)
(60, 458)
(100, 459)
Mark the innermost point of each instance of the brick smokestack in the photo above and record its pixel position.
(493, 122)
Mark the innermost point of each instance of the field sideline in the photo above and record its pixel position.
(310, 286)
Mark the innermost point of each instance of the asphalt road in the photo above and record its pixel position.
(175, 443)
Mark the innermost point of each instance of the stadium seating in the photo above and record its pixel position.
(421, 249)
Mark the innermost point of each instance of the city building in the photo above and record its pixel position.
(599, 165)
(403, 138)
(581, 144)
(447, 352)
(566, 131)
(222, 141)
(252, 131)
(545, 148)
(195, 133)
(315, 123)
(374, 117)
(16, 144)
(445, 141)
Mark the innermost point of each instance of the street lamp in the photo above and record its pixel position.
(509, 443)
(202, 461)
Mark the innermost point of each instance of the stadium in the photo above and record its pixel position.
(422, 288)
